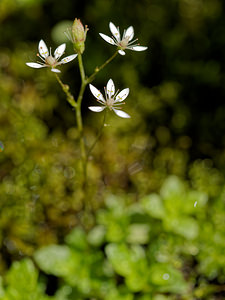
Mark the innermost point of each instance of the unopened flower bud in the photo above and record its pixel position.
(78, 33)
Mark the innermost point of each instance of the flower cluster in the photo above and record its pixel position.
(77, 35)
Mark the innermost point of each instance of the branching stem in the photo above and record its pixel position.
(66, 89)
(77, 105)
(97, 69)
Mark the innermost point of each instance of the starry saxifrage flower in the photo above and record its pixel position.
(48, 59)
(122, 43)
(112, 100)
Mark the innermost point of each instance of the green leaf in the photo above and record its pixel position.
(22, 282)
(153, 205)
(55, 259)
(77, 239)
(96, 235)
(130, 263)
(136, 282)
(167, 278)
(115, 223)
(120, 257)
(119, 294)
(138, 234)
(184, 226)
(195, 200)
(172, 187)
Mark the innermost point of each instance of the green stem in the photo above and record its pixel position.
(98, 136)
(84, 82)
(81, 67)
(79, 118)
(97, 69)
(66, 88)
(77, 106)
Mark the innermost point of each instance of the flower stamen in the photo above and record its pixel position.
(112, 100)
(47, 60)
(122, 43)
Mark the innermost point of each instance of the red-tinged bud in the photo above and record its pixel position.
(78, 33)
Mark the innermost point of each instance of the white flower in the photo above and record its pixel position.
(124, 42)
(48, 59)
(112, 100)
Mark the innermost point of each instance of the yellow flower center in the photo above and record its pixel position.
(123, 44)
(110, 102)
(50, 61)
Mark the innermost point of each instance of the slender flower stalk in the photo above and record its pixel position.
(81, 67)
(79, 119)
(97, 69)
(66, 88)
(98, 136)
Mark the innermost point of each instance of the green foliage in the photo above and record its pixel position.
(145, 248)
(21, 283)
(147, 244)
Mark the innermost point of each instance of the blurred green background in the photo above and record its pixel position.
(156, 229)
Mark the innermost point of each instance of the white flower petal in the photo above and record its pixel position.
(68, 58)
(129, 33)
(59, 51)
(96, 108)
(122, 95)
(121, 52)
(43, 50)
(110, 88)
(96, 93)
(107, 38)
(121, 113)
(137, 48)
(34, 65)
(114, 31)
(55, 70)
